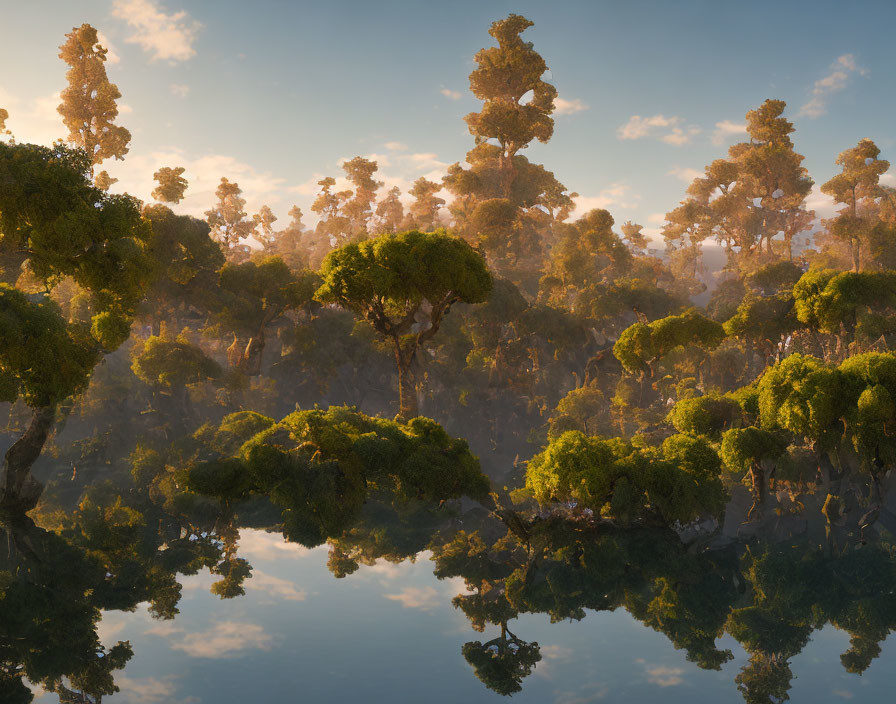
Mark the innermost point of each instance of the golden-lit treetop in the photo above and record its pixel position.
(172, 184)
(88, 105)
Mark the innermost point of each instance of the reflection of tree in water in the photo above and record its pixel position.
(118, 548)
(49, 609)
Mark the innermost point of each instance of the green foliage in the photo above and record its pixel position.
(801, 395)
(319, 466)
(395, 271)
(163, 363)
(42, 359)
(642, 344)
(742, 447)
(706, 415)
(614, 478)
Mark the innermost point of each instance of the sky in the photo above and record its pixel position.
(275, 94)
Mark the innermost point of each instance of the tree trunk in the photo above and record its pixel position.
(250, 362)
(407, 391)
(19, 491)
(759, 490)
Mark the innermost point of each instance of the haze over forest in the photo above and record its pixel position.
(568, 396)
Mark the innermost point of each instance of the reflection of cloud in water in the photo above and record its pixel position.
(550, 655)
(422, 598)
(586, 695)
(148, 690)
(271, 586)
(259, 545)
(663, 676)
(843, 694)
(223, 640)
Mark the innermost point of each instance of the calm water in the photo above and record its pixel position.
(389, 633)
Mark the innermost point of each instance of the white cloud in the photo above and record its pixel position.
(685, 174)
(181, 90)
(396, 146)
(835, 81)
(203, 172)
(679, 135)
(727, 129)
(568, 107)
(664, 676)
(125, 109)
(165, 36)
(638, 127)
(667, 129)
(656, 218)
(224, 640)
(422, 598)
(617, 195)
(35, 121)
(451, 94)
(425, 160)
(823, 205)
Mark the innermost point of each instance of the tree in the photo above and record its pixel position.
(507, 74)
(254, 296)
(641, 345)
(171, 365)
(404, 285)
(227, 220)
(390, 212)
(423, 213)
(4, 116)
(88, 106)
(104, 181)
(747, 450)
(359, 208)
(856, 188)
(748, 199)
(264, 229)
(64, 227)
(172, 184)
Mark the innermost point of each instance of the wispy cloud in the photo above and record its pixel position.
(618, 195)
(396, 146)
(667, 129)
(180, 89)
(835, 81)
(165, 36)
(568, 107)
(726, 129)
(685, 174)
(451, 94)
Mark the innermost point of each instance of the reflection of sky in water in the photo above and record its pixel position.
(389, 633)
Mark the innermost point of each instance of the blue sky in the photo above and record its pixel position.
(275, 94)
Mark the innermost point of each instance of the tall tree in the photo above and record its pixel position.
(66, 227)
(264, 228)
(227, 219)
(88, 105)
(423, 213)
(404, 285)
(746, 200)
(517, 103)
(856, 188)
(172, 184)
(359, 208)
(390, 211)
